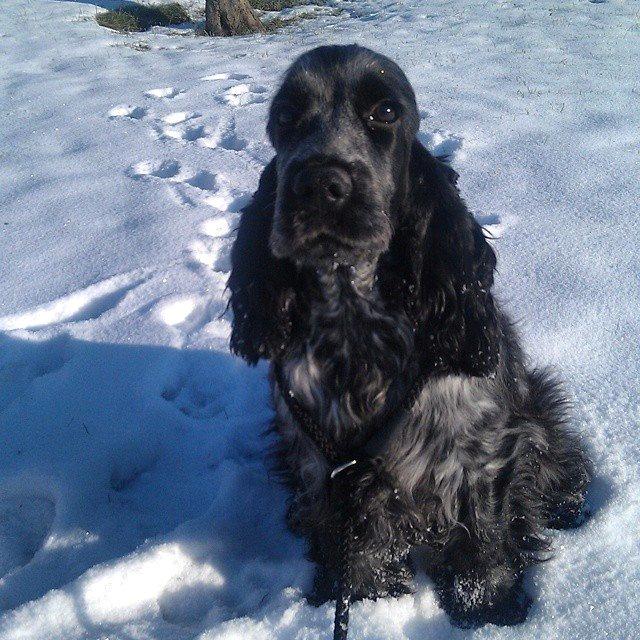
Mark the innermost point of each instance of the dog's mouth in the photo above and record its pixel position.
(307, 235)
(318, 244)
(326, 247)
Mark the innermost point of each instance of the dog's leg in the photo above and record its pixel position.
(379, 544)
(371, 576)
(562, 471)
(540, 482)
(479, 577)
(385, 527)
(374, 578)
(563, 479)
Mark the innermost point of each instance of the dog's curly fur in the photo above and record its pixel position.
(355, 299)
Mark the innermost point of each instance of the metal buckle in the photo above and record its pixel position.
(342, 467)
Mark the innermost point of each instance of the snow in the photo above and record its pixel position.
(135, 500)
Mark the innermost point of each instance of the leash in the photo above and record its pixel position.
(345, 467)
(343, 594)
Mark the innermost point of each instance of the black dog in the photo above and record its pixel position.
(358, 270)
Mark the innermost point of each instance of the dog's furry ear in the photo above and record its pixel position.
(453, 267)
(261, 286)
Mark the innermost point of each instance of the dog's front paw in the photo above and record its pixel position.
(371, 580)
(473, 600)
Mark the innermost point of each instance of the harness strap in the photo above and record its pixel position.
(375, 442)
(304, 418)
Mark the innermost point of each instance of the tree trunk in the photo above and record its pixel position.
(231, 18)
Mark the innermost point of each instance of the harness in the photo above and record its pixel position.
(346, 465)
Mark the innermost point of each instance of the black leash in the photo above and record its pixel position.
(343, 595)
(342, 464)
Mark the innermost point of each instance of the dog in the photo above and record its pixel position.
(357, 269)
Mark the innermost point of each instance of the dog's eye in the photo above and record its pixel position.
(385, 112)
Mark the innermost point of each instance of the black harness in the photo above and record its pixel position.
(346, 466)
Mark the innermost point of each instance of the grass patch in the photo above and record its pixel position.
(279, 23)
(275, 5)
(132, 16)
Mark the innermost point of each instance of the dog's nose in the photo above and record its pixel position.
(323, 186)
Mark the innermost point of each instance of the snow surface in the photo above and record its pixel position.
(134, 498)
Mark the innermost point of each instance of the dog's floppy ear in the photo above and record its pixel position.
(453, 267)
(261, 286)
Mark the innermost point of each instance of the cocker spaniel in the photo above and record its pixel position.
(359, 272)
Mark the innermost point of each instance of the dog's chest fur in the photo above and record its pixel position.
(355, 349)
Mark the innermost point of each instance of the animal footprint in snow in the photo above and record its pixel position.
(244, 94)
(126, 472)
(145, 169)
(89, 303)
(194, 399)
(187, 133)
(215, 227)
(165, 92)
(231, 141)
(175, 311)
(178, 117)
(127, 111)
(25, 523)
(225, 137)
(191, 595)
(204, 181)
(202, 254)
(21, 368)
(212, 249)
(225, 76)
(200, 189)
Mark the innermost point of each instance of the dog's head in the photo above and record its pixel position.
(342, 124)
(351, 184)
